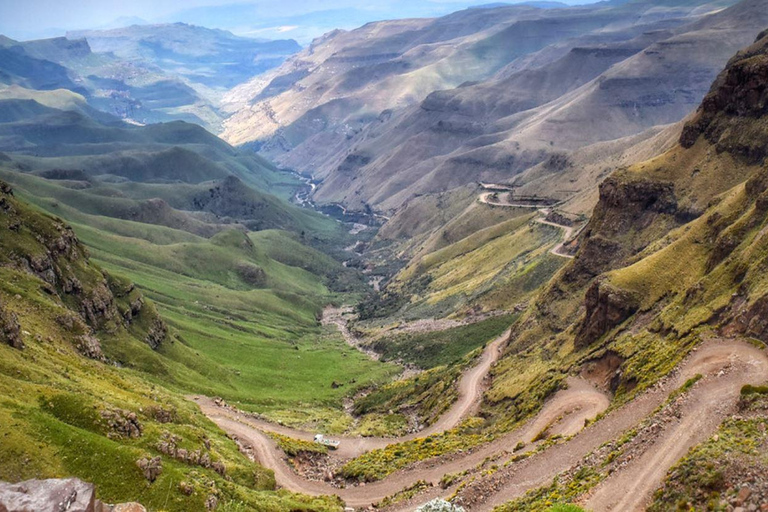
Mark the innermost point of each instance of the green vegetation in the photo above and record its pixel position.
(242, 321)
(406, 494)
(379, 463)
(64, 414)
(428, 394)
(556, 496)
(701, 479)
(294, 447)
(436, 348)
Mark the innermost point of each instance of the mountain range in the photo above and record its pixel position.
(508, 258)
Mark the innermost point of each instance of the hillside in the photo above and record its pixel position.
(146, 74)
(68, 408)
(600, 90)
(103, 156)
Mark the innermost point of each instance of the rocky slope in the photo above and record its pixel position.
(49, 250)
(377, 136)
(674, 248)
(602, 89)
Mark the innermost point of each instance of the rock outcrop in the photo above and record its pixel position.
(56, 495)
(10, 330)
(48, 249)
(607, 307)
(739, 94)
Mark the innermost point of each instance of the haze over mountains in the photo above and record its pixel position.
(376, 135)
(506, 258)
(145, 74)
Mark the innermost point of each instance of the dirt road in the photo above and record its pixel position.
(709, 403)
(564, 414)
(471, 388)
(487, 198)
(726, 367)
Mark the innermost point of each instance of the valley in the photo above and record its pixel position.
(507, 259)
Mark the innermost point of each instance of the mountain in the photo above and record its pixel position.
(375, 135)
(495, 130)
(144, 73)
(182, 164)
(306, 21)
(211, 61)
(670, 258)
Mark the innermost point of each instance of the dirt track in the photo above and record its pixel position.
(564, 414)
(726, 366)
(471, 387)
(726, 369)
(557, 250)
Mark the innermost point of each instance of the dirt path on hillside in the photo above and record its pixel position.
(470, 392)
(564, 414)
(709, 403)
(727, 366)
(335, 316)
(557, 250)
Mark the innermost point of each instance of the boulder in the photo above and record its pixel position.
(607, 307)
(10, 330)
(55, 495)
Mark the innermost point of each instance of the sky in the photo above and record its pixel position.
(298, 19)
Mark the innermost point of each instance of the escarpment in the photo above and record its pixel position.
(676, 249)
(47, 249)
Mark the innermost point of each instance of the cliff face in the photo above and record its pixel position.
(676, 249)
(94, 302)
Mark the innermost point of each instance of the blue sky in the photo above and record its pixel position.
(298, 19)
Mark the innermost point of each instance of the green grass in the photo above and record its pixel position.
(438, 348)
(701, 479)
(52, 426)
(261, 347)
(379, 463)
(293, 447)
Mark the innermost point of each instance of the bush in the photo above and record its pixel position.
(438, 505)
(754, 390)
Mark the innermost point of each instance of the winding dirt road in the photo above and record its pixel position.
(726, 365)
(564, 414)
(470, 390)
(727, 369)
(486, 198)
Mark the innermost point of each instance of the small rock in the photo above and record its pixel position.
(129, 507)
(150, 467)
(744, 494)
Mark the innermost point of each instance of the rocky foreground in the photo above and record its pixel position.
(57, 495)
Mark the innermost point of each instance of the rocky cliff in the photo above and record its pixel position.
(93, 301)
(675, 249)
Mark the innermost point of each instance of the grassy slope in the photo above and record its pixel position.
(234, 340)
(53, 398)
(438, 348)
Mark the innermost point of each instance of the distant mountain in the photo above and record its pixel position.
(148, 73)
(306, 21)
(364, 112)
(206, 58)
